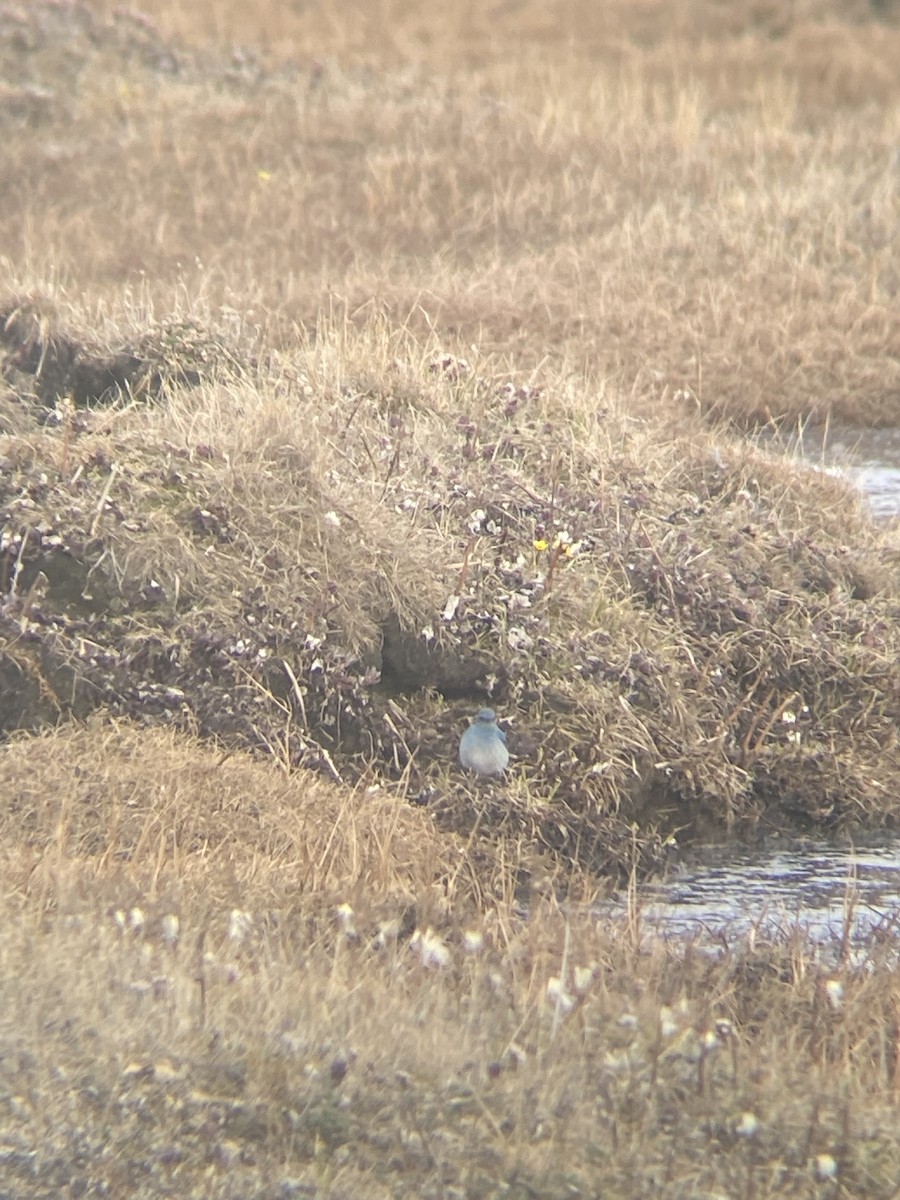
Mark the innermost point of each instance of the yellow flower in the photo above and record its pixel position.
(540, 545)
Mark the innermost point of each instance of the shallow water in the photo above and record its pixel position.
(820, 888)
(870, 458)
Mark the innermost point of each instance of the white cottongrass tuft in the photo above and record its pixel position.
(582, 978)
(834, 990)
(826, 1166)
(747, 1125)
(346, 918)
(559, 997)
(432, 951)
(171, 927)
(239, 924)
(668, 1025)
(709, 1041)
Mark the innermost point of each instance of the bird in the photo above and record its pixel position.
(482, 748)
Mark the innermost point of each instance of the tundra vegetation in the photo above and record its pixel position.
(362, 365)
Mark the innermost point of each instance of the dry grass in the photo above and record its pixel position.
(713, 215)
(219, 825)
(209, 985)
(397, 358)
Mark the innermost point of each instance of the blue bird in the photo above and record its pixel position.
(482, 748)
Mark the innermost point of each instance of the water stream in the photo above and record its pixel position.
(869, 458)
(823, 889)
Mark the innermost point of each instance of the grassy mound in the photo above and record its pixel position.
(331, 556)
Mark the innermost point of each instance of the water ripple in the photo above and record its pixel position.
(820, 888)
